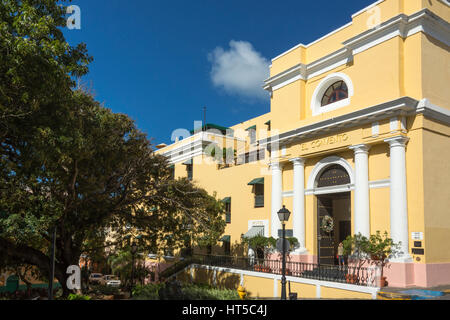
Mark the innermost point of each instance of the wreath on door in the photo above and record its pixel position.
(327, 224)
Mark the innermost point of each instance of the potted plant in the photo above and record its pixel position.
(380, 248)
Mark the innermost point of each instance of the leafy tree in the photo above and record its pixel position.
(380, 248)
(68, 164)
(356, 248)
(37, 65)
(94, 173)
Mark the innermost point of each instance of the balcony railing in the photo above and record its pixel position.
(342, 274)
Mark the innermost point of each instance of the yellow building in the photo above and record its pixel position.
(358, 130)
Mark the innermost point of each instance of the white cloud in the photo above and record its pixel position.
(240, 70)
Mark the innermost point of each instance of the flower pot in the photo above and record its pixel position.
(382, 282)
(351, 278)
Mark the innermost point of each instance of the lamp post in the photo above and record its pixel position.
(283, 215)
(52, 266)
(133, 252)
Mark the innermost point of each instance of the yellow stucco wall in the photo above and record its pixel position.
(436, 192)
(333, 293)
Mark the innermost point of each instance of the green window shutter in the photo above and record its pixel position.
(257, 181)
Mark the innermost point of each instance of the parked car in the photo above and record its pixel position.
(110, 280)
(95, 278)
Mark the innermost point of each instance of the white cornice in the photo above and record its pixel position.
(400, 107)
(434, 112)
(185, 150)
(400, 26)
(306, 72)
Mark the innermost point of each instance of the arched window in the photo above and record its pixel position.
(333, 92)
(334, 175)
(336, 92)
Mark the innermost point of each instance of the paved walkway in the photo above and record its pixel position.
(419, 292)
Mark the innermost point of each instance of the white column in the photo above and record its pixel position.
(362, 207)
(277, 197)
(398, 201)
(299, 202)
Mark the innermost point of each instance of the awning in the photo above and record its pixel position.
(225, 239)
(188, 162)
(251, 128)
(254, 232)
(256, 181)
(268, 123)
(227, 200)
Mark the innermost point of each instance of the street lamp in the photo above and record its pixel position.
(133, 253)
(283, 215)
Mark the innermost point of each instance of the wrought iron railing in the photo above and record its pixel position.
(361, 276)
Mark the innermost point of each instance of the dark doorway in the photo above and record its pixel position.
(337, 206)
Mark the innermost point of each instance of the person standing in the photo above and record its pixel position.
(341, 254)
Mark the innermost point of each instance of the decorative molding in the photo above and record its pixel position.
(399, 141)
(185, 150)
(375, 129)
(399, 26)
(434, 112)
(380, 184)
(393, 124)
(402, 106)
(377, 184)
(305, 72)
(360, 148)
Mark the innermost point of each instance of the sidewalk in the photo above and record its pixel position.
(415, 293)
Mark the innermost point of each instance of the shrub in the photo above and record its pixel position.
(204, 292)
(147, 292)
(106, 290)
(78, 297)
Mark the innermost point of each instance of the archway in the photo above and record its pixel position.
(333, 212)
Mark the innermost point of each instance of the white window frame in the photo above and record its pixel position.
(316, 102)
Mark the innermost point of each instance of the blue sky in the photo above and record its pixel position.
(161, 62)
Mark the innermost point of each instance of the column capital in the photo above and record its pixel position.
(360, 148)
(398, 141)
(275, 166)
(298, 161)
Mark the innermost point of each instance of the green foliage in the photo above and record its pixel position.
(203, 292)
(36, 63)
(147, 292)
(380, 247)
(78, 297)
(228, 155)
(376, 249)
(106, 290)
(261, 242)
(176, 291)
